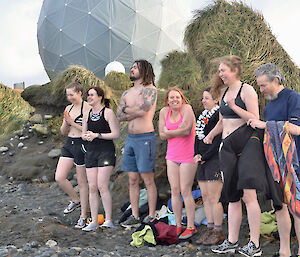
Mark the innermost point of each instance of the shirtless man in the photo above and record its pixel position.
(137, 106)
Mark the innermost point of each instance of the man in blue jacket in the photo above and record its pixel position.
(283, 105)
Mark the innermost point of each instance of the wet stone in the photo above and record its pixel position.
(33, 244)
(87, 253)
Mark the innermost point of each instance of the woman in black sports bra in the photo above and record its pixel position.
(100, 127)
(72, 154)
(239, 103)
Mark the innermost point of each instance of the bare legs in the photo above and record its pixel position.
(181, 178)
(134, 191)
(63, 168)
(211, 192)
(98, 179)
(253, 214)
(83, 190)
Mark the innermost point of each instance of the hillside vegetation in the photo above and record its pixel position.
(14, 111)
(53, 94)
(224, 29)
(235, 29)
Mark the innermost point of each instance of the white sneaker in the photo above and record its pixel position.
(107, 224)
(81, 223)
(91, 227)
(71, 207)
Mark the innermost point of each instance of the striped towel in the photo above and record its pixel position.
(281, 155)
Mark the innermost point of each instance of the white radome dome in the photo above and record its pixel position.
(93, 33)
(114, 66)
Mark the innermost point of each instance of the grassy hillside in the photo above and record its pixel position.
(13, 111)
(182, 70)
(53, 95)
(234, 28)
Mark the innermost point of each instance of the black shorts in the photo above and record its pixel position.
(242, 162)
(208, 171)
(73, 150)
(99, 157)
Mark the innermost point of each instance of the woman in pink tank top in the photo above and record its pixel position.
(177, 126)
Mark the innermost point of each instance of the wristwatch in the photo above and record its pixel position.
(99, 136)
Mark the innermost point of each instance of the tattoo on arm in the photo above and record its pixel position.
(149, 97)
(122, 116)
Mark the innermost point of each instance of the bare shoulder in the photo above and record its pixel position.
(149, 90)
(68, 107)
(187, 108)
(163, 111)
(86, 106)
(248, 89)
(150, 86)
(222, 92)
(108, 111)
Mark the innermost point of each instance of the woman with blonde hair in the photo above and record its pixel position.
(72, 152)
(177, 126)
(239, 103)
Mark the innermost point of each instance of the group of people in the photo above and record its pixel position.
(223, 148)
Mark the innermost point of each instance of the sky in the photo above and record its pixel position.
(20, 60)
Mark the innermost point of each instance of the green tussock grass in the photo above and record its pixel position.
(54, 93)
(14, 111)
(117, 81)
(235, 29)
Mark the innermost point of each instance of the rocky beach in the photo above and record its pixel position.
(32, 222)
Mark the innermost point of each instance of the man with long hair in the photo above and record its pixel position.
(137, 106)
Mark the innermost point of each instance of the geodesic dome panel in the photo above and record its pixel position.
(94, 33)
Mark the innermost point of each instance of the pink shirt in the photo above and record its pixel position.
(180, 149)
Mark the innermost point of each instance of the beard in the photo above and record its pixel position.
(272, 97)
(133, 78)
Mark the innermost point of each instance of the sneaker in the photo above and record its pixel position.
(188, 233)
(250, 250)
(81, 223)
(91, 227)
(225, 247)
(178, 230)
(71, 207)
(131, 222)
(148, 219)
(107, 224)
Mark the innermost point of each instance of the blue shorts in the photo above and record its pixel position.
(139, 153)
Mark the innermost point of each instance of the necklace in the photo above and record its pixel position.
(203, 120)
(96, 116)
